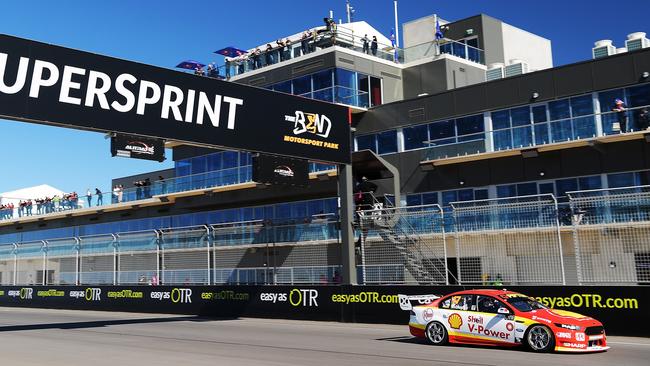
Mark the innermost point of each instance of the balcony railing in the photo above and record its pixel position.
(533, 134)
(444, 46)
(342, 95)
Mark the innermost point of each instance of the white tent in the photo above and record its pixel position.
(41, 191)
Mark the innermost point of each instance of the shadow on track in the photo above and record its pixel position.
(105, 323)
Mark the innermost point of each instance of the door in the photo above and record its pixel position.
(492, 322)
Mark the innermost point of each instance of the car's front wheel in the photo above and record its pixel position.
(436, 333)
(540, 339)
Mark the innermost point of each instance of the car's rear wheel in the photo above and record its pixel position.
(436, 333)
(540, 338)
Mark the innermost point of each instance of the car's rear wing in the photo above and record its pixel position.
(406, 302)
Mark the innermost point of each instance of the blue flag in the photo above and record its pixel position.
(439, 34)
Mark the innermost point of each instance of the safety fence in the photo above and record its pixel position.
(591, 237)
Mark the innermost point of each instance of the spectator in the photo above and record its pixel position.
(146, 185)
(89, 197)
(228, 62)
(100, 197)
(643, 120)
(621, 116)
(212, 71)
(287, 49)
(373, 46)
(163, 184)
(268, 56)
(366, 44)
(304, 42)
(257, 63)
(337, 279)
(280, 44)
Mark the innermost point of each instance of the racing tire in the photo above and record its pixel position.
(540, 338)
(436, 334)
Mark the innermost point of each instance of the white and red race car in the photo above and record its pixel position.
(501, 318)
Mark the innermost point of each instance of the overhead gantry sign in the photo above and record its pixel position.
(48, 84)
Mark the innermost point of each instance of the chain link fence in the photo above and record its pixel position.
(508, 240)
(611, 234)
(402, 245)
(606, 240)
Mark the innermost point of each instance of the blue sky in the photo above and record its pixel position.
(164, 32)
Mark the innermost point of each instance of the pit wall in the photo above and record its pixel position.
(623, 310)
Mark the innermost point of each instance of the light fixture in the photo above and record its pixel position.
(532, 153)
(645, 74)
(535, 95)
(612, 264)
(427, 167)
(541, 174)
(462, 182)
(323, 176)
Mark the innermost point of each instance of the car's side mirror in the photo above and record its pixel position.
(503, 311)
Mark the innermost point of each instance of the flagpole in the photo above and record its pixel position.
(396, 25)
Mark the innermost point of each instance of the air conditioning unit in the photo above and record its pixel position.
(516, 67)
(636, 41)
(494, 71)
(603, 48)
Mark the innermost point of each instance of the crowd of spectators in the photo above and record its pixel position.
(282, 49)
(39, 206)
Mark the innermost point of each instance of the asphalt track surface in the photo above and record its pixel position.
(64, 337)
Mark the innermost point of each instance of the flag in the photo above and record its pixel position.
(230, 51)
(392, 43)
(439, 34)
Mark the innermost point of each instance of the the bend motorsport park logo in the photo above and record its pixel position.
(316, 126)
(296, 297)
(284, 171)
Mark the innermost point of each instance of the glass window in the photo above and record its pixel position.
(643, 178)
(465, 194)
(587, 183)
(215, 162)
(583, 127)
(546, 188)
(449, 197)
(442, 133)
(541, 128)
(363, 82)
(367, 142)
(322, 79)
(527, 189)
(522, 135)
(345, 78)
(638, 96)
(488, 304)
(284, 87)
(470, 127)
(387, 142)
(480, 194)
(562, 186)
(230, 159)
(462, 302)
(606, 100)
(413, 200)
(620, 180)
(302, 86)
(415, 136)
(502, 131)
(430, 198)
(183, 168)
(560, 114)
(501, 119)
(199, 164)
(509, 190)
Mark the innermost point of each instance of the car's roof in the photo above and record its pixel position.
(489, 291)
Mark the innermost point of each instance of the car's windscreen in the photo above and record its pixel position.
(525, 304)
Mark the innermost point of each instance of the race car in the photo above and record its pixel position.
(501, 318)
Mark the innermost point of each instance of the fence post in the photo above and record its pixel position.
(158, 256)
(559, 238)
(209, 247)
(444, 243)
(44, 250)
(115, 262)
(15, 263)
(77, 260)
(576, 243)
(456, 242)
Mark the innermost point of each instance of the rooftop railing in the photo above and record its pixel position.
(535, 134)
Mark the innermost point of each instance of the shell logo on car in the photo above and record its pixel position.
(455, 321)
